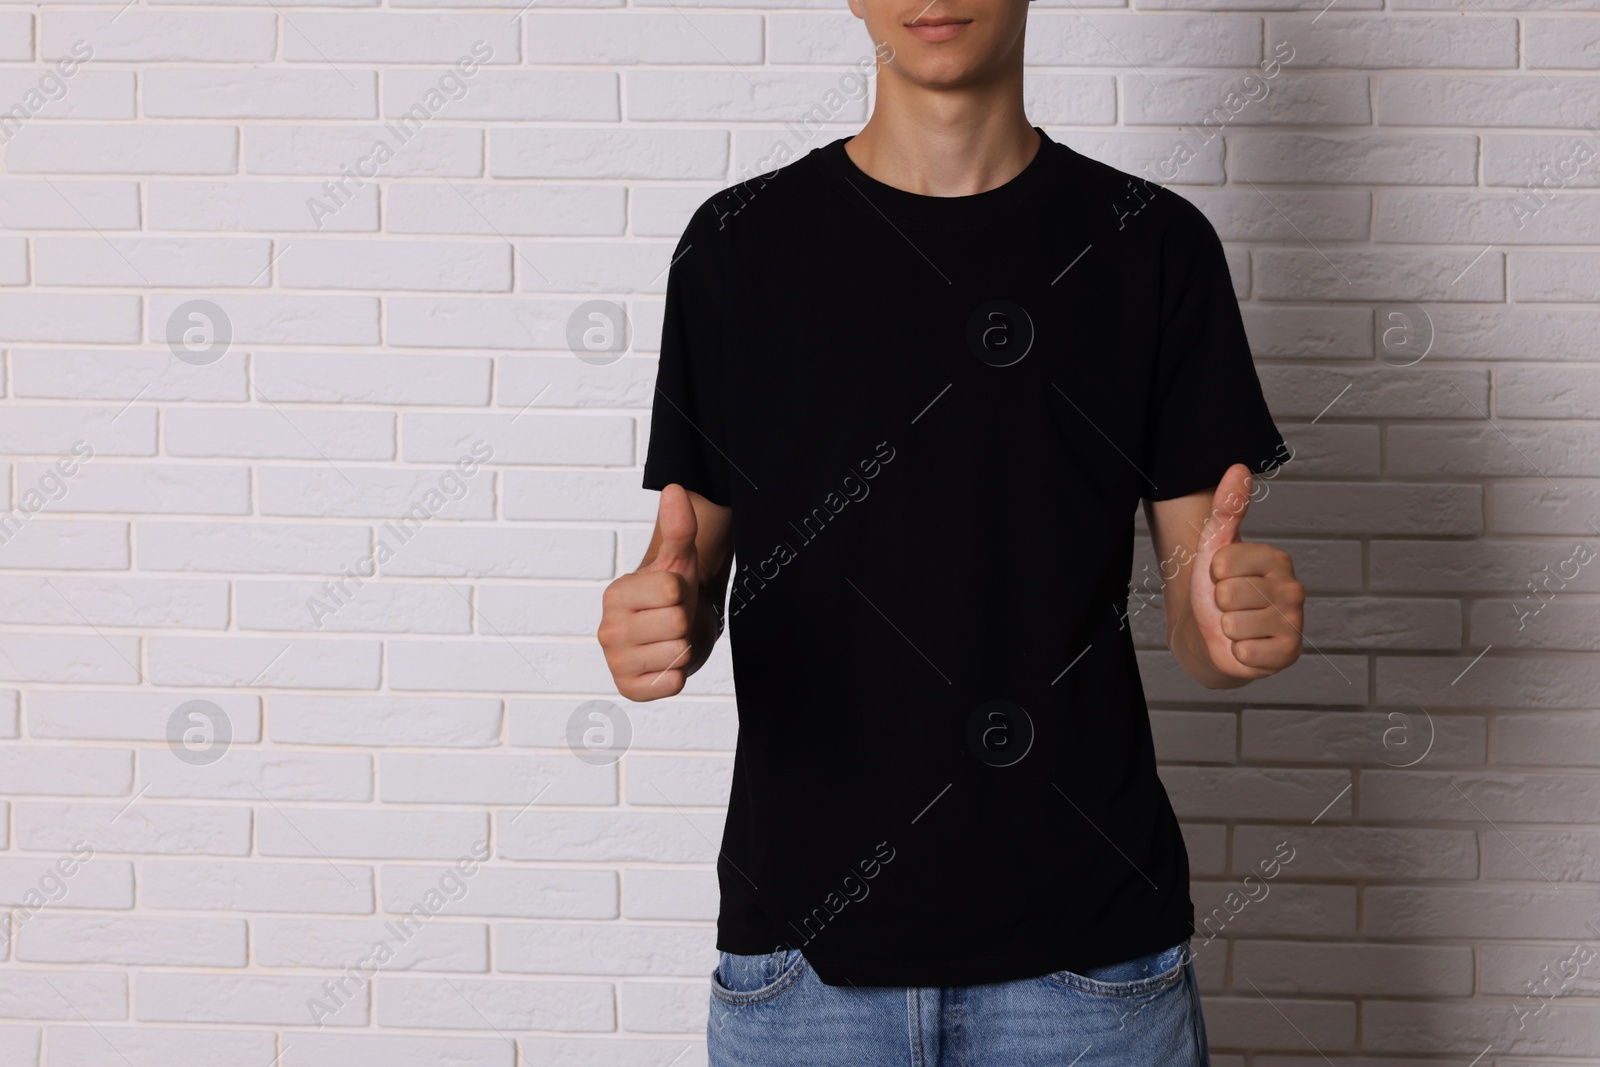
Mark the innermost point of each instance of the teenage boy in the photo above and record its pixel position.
(918, 380)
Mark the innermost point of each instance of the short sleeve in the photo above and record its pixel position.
(1208, 411)
(688, 423)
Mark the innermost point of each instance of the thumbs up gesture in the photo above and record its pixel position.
(1246, 601)
(649, 617)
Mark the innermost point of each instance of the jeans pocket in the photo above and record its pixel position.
(752, 979)
(1140, 977)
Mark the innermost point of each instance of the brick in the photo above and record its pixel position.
(635, 837)
(1475, 796)
(520, 892)
(495, 780)
(466, 1004)
(171, 996)
(679, 780)
(328, 150)
(69, 319)
(336, 944)
(1366, 970)
(28, 204)
(1378, 274)
(512, 96)
(605, 949)
(376, 493)
(157, 36)
(101, 374)
(132, 716)
(626, 38)
(414, 265)
(257, 886)
(155, 829)
(757, 95)
(80, 996)
(433, 722)
(608, 152)
(266, 661)
(1364, 852)
(1545, 682)
(655, 893)
(411, 1050)
(278, 432)
(76, 545)
(1367, 159)
(1472, 100)
(1549, 739)
(250, 547)
(170, 488)
(125, 149)
(82, 1046)
(93, 883)
(590, 440)
(133, 940)
(257, 206)
(259, 93)
(358, 834)
(1400, 738)
(382, 606)
(69, 658)
(201, 262)
(504, 552)
(391, 378)
(457, 40)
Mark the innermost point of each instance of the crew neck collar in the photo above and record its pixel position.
(943, 211)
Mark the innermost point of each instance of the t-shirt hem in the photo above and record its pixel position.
(1035, 961)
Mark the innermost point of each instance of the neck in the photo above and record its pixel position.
(946, 143)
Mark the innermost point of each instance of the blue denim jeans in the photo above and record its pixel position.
(773, 1011)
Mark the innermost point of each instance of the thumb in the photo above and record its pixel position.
(1228, 507)
(676, 520)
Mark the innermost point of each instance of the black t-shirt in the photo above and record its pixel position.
(934, 419)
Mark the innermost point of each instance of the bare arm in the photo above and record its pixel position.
(1234, 609)
(657, 625)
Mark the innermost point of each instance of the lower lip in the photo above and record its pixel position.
(934, 34)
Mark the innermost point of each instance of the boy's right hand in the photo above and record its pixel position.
(648, 617)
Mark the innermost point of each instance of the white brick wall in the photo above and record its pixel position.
(1432, 759)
